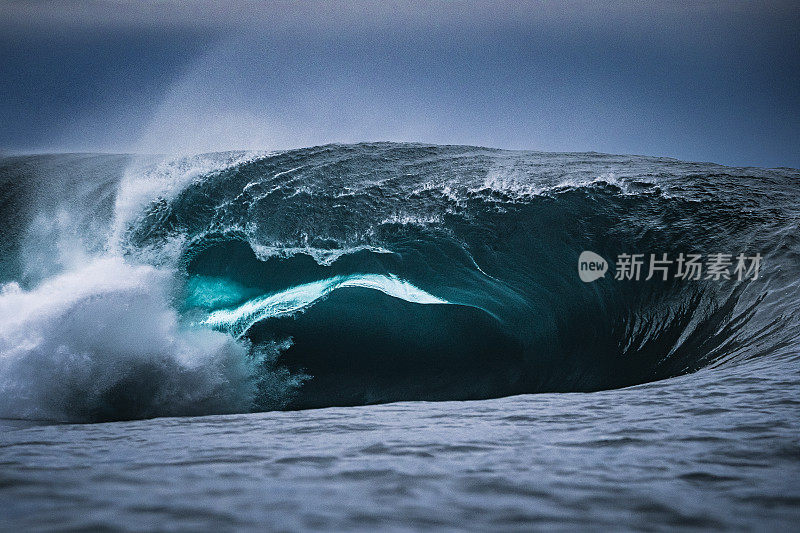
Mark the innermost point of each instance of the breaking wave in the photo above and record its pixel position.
(347, 275)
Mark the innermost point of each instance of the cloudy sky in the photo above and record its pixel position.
(709, 81)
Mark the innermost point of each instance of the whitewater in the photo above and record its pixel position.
(394, 335)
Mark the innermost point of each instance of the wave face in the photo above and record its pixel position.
(359, 274)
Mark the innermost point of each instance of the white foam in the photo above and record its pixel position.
(298, 298)
(414, 220)
(322, 256)
(103, 341)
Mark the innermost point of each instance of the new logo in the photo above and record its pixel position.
(591, 266)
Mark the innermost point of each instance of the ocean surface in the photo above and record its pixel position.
(397, 336)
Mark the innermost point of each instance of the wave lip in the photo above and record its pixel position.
(295, 299)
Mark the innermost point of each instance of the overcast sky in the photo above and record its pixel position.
(707, 81)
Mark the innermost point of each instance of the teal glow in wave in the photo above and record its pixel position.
(295, 299)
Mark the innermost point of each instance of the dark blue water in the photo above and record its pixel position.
(394, 336)
(717, 449)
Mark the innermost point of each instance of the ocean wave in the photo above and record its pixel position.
(240, 281)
